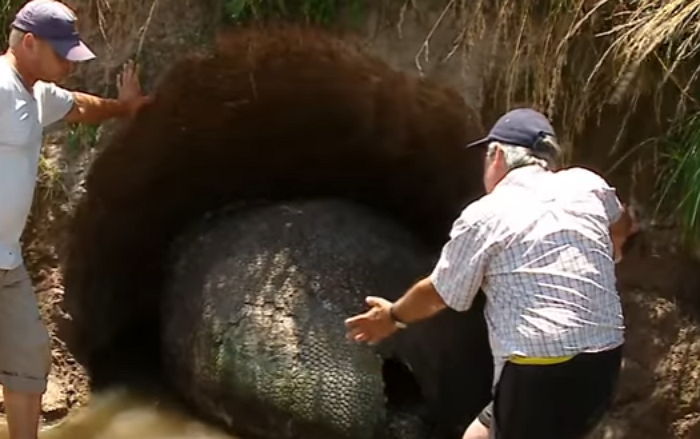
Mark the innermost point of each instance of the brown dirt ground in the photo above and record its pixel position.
(659, 392)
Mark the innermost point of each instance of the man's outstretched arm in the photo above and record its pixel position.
(457, 275)
(625, 227)
(420, 302)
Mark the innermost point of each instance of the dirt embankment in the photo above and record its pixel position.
(659, 394)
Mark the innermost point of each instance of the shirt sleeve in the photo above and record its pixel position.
(602, 190)
(613, 206)
(459, 273)
(5, 99)
(608, 196)
(54, 102)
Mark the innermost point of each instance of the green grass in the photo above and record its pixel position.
(8, 8)
(54, 167)
(81, 137)
(322, 12)
(680, 188)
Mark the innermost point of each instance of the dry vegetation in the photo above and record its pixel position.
(570, 58)
(581, 60)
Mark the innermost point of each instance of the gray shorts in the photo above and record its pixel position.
(25, 355)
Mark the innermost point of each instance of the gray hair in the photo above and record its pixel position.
(15, 37)
(546, 153)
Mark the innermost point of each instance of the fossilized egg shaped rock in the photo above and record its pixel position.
(253, 316)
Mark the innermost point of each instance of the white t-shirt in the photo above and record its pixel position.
(22, 119)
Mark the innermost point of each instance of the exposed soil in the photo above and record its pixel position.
(659, 395)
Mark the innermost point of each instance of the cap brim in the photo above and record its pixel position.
(72, 50)
(480, 142)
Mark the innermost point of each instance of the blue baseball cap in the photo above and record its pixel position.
(53, 22)
(519, 127)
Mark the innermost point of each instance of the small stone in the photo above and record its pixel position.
(54, 398)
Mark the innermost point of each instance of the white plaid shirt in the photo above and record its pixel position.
(539, 246)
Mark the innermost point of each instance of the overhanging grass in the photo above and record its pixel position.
(312, 11)
(574, 59)
(680, 189)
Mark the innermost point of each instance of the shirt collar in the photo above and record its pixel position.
(521, 176)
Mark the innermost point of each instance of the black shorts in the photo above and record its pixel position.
(560, 401)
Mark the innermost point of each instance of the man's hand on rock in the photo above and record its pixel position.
(129, 88)
(626, 227)
(374, 325)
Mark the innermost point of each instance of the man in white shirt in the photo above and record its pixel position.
(43, 47)
(542, 246)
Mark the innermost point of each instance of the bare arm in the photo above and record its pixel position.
(92, 109)
(420, 302)
(621, 230)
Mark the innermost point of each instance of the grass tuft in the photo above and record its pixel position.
(322, 12)
(679, 192)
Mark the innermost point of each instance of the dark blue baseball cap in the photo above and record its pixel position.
(53, 22)
(519, 127)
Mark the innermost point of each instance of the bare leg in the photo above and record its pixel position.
(23, 410)
(476, 430)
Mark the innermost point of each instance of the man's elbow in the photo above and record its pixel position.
(624, 228)
(437, 303)
(75, 115)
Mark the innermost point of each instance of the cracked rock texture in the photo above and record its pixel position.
(253, 314)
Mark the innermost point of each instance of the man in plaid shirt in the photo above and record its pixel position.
(542, 245)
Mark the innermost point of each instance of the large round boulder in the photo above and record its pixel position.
(303, 114)
(253, 310)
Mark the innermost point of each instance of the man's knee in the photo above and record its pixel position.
(23, 384)
(480, 427)
(476, 430)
